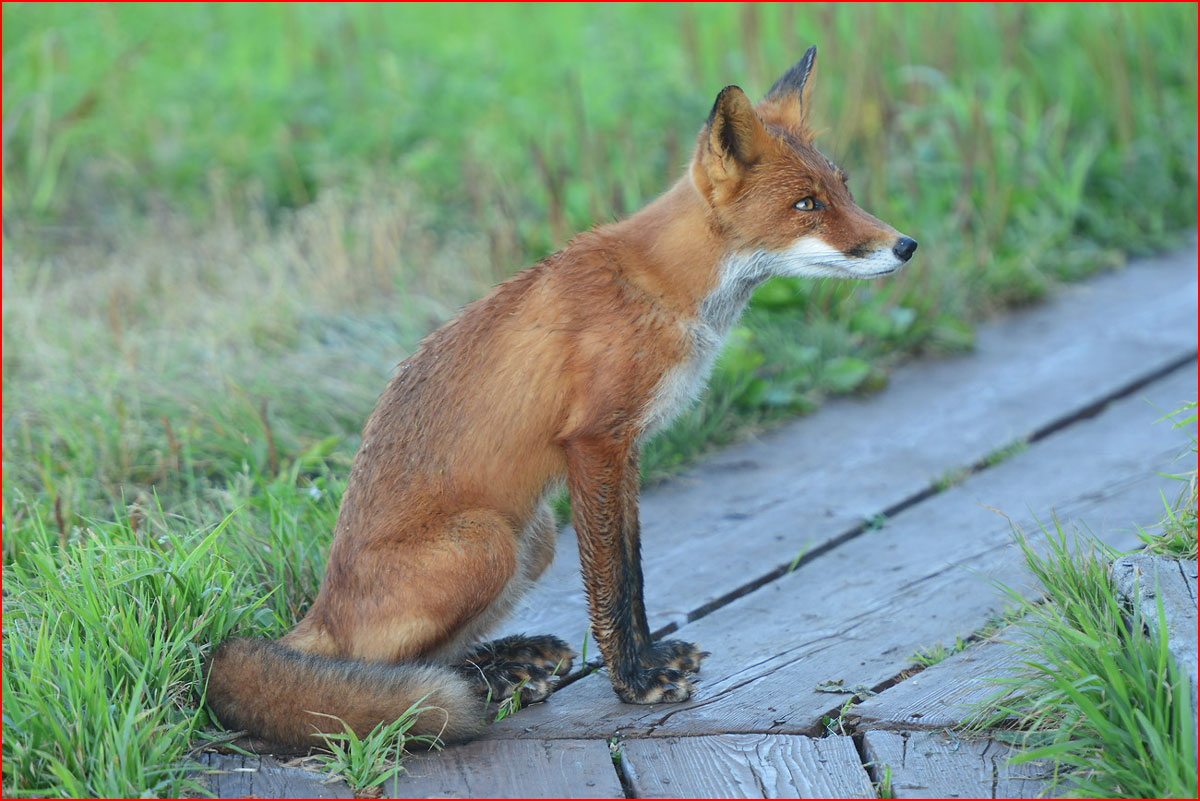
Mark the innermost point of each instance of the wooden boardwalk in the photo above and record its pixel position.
(891, 502)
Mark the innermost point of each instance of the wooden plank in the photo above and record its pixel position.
(237, 776)
(745, 766)
(860, 457)
(941, 765)
(1145, 580)
(946, 694)
(511, 769)
(857, 612)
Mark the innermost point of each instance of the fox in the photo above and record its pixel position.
(559, 373)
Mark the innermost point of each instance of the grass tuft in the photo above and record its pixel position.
(1100, 697)
(366, 763)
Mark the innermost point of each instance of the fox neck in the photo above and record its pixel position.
(687, 262)
(678, 255)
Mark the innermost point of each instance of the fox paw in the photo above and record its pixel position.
(656, 685)
(502, 680)
(675, 654)
(531, 682)
(549, 653)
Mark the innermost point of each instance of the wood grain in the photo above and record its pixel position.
(941, 765)
(745, 766)
(511, 769)
(946, 694)
(237, 776)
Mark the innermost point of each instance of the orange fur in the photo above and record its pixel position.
(558, 372)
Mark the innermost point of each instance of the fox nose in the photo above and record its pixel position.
(904, 248)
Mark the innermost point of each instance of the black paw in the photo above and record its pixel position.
(656, 685)
(674, 654)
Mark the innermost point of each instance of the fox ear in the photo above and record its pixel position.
(732, 139)
(795, 85)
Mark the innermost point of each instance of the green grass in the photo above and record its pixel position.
(366, 763)
(105, 638)
(928, 657)
(224, 225)
(1176, 533)
(884, 786)
(1100, 697)
(1099, 694)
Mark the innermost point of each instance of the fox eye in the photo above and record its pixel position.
(809, 204)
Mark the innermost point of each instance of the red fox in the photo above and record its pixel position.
(560, 371)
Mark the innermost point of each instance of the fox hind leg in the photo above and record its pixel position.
(549, 653)
(519, 663)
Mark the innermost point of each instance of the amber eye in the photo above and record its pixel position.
(808, 204)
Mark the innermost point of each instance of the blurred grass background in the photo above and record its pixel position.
(225, 224)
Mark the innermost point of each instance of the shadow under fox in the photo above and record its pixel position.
(560, 371)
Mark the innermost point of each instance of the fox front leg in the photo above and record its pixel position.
(602, 477)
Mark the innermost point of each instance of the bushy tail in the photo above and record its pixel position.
(273, 692)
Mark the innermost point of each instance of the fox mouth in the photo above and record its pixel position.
(847, 269)
(879, 273)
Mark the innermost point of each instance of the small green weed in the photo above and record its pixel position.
(1178, 528)
(927, 657)
(584, 668)
(510, 705)
(366, 763)
(1005, 452)
(838, 725)
(951, 478)
(957, 475)
(884, 787)
(795, 563)
(614, 751)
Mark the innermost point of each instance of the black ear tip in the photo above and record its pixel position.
(722, 97)
(794, 79)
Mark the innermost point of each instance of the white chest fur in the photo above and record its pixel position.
(740, 273)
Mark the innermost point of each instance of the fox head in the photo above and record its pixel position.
(785, 207)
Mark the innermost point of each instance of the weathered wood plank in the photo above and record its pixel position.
(940, 765)
(237, 776)
(860, 457)
(857, 612)
(944, 695)
(745, 766)
(511, 769)
(1145, 579)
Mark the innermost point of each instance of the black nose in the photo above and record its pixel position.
(904, 248)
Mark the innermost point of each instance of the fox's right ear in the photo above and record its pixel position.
(733, 139)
